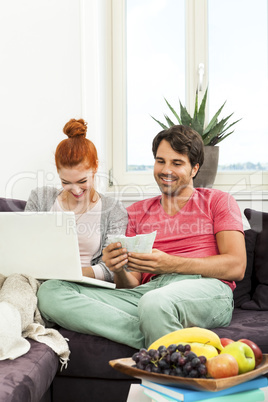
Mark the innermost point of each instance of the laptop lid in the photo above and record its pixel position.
(43, 245)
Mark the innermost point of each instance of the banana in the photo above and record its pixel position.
(201, 349)
(189, 335)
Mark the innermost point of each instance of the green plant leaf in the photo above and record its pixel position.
(161, 124)
(214, 119)
(197, 126)
(169, 122)
(215, 131)
(230, 125)
(219, 139)
(202, 109)
(186, 119)
(221, 136)
(216, 134)
(173, 111)
(196, 105)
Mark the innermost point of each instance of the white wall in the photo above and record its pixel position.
(53, 67)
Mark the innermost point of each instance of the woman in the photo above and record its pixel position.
(97, 216)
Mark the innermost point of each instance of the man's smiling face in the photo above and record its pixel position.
(172, 171)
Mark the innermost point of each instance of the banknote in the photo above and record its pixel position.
(142, 243)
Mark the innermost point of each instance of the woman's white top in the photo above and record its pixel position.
(89, 234)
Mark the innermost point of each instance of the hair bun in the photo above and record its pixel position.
(75, 127)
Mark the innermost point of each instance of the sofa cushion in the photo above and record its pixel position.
(90, 356)
(27, 378)
(247, 324)
(259, 223)
(242, 292)
(9, 204)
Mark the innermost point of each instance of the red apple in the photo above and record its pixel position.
(222, 366)
(256, 350)
(226, 341)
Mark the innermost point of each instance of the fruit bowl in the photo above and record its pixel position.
(126, 366)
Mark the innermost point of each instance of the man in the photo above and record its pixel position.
(199, 247)
(186, 281)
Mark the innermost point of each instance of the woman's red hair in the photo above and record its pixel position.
(76, 148)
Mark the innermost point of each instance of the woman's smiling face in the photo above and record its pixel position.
(77, 181)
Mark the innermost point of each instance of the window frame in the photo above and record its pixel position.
(197, 52)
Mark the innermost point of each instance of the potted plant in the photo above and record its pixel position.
(215, 132)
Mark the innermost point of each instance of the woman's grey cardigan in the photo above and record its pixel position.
(113, 219)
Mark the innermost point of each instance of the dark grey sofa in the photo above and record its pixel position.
(36, 377)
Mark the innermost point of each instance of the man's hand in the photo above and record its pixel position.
(229, 264)
(156, 262)
(115, 257)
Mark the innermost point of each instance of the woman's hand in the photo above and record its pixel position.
(88, 271)
(115, 257)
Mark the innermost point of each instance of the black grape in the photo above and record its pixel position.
(176, 360)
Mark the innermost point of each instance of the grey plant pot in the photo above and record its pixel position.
(207, 173)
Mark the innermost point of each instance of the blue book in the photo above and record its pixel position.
(188, 395)
(255, 395)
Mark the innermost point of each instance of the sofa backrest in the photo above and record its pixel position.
(252, 291)
(244, 289)
(257, 299)
(10, 204)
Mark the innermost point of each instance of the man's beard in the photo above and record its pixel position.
(172, 191)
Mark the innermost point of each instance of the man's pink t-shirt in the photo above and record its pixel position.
(191, 232)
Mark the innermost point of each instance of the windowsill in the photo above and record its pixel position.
(239, 195)
(242, 185)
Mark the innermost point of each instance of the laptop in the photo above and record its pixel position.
(43, 245)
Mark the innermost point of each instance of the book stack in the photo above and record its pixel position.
(246, 392)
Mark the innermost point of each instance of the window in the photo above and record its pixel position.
(151, 58)
(238, 74)
(158, 46)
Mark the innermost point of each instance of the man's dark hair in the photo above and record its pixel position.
(183, 140)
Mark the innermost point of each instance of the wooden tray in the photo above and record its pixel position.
(125, 365)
